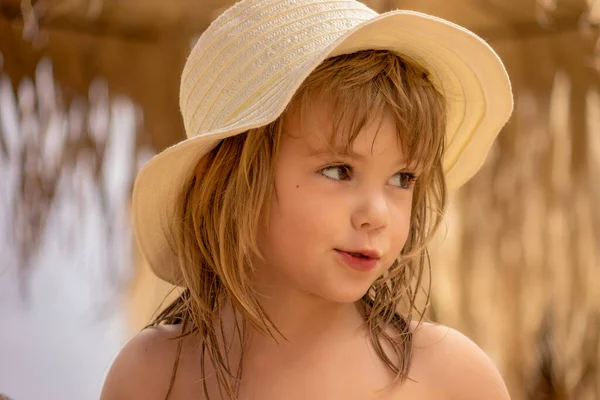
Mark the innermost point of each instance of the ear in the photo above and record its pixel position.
(201, 167)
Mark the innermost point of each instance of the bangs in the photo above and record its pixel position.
(361, 87)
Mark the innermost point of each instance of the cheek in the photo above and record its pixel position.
(302, 222)
(400, 222)
(300, 214)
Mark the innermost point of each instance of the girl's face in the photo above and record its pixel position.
(337, 223)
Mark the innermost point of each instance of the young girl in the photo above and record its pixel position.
(322, 139)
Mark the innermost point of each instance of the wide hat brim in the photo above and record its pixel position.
(463, 67)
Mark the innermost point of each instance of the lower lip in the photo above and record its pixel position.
(358, 263)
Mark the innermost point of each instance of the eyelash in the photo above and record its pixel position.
(405, 175)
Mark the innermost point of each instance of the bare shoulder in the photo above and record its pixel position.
(142, 369)
(454, 366)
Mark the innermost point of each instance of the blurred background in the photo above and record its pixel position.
(89, 92)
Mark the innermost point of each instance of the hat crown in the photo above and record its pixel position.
(234, 71)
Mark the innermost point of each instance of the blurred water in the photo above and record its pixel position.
(64, 318)
(56, 346)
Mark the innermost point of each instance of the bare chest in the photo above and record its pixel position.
(315, 378)
(317, 382)
(343, 370)
(313, 387)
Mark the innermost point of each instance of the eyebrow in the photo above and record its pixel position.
(330, 152)
(326, 152)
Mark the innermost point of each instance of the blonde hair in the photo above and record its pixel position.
(215, 238)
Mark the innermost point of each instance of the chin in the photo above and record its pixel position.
(345, 294)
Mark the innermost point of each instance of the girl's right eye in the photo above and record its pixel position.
(337, 172)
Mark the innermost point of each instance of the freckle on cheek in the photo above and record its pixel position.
(297, 186)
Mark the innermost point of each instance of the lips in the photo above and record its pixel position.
(364, 253)
(361, 260)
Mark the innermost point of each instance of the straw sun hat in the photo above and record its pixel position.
(247, 65)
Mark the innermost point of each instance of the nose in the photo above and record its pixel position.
(372, 213)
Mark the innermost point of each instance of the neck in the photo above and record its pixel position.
(303, 320)
(302, 317)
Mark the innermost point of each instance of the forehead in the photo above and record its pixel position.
(318, 126)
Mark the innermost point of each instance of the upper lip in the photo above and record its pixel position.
(371, 253)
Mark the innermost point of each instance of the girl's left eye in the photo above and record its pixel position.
(337, 172)
(404, 180)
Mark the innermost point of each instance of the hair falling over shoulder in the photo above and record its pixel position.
(215, 238)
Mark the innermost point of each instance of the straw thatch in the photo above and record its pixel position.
(519, 266)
